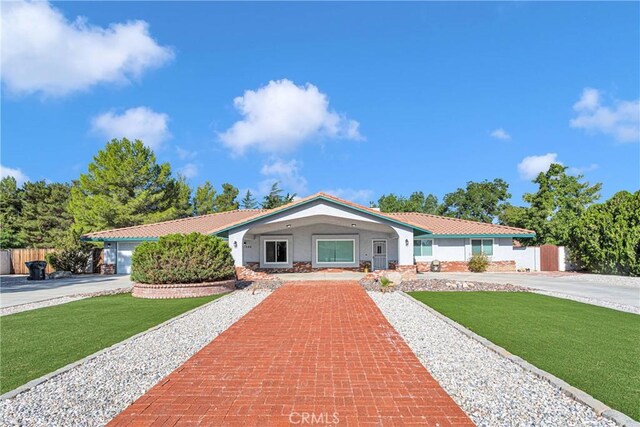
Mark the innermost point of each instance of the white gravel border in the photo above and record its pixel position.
(490, 388)
(94, 390)
(592, 301)
(13, 309)
(19, 308)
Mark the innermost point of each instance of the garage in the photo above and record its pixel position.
(124, 252)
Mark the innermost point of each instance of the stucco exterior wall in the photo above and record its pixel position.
(245, 241)
(454, 249)
(527, 257)
(303, 242)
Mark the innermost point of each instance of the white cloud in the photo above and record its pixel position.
(184, 154)
(531, 166)
(280, 116)
(20, 176)
(136, 123)
(362, 196)
(189, 170)
(44, 52)
(287, 173)
(500, 134)
(621, 120)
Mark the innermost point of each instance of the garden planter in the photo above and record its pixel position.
(182, 290)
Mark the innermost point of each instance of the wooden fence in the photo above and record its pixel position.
(20, 256)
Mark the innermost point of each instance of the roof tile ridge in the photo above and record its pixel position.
(169, 221)
(460, 220)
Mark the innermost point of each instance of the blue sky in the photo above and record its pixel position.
(358, 99)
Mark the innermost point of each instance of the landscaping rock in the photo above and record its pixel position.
(444, 285)
(491, 389)
(95, 391)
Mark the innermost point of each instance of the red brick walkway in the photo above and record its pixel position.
(309, 354)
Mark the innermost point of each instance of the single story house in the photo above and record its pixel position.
(325, 232)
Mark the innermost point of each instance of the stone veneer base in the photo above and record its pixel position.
(182, 290)
(462, 267)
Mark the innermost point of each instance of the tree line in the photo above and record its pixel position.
(601, 237)
(125, 186)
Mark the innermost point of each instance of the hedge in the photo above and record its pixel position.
(182, 258)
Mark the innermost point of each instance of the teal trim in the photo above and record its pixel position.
(467, 236)
(119, 239)
(267, 215)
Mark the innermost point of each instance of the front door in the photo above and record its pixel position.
(379, 255)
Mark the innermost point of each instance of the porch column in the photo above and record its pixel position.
(406, 266)
(236, 243)
(405, 246)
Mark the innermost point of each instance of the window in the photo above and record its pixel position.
(423, 247)
(335, 251)
(275, 251)
(482, 246)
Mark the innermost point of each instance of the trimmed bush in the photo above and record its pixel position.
(182, 258)
(478, 263)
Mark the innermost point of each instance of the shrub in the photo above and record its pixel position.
(478, 263)
(386, 284)
(71, 254)
(182, 258)
(606, 238)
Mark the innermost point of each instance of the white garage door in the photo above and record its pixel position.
(125, 250)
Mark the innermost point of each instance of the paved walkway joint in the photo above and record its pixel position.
(312, 353)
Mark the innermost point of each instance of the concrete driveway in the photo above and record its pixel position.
(614, 289)
(15, 289)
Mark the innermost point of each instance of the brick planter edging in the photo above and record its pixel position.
(586, 399)
(31, 384)
(182, 290)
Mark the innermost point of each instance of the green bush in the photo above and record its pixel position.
(478, 263)
(606, 238)
(71, 254)
(182, 258)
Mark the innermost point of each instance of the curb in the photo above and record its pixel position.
(31, 384)
(586, 399)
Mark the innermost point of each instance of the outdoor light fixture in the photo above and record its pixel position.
(353, 225)
(108, 245)
(406, 242)
(235, 243)
(288, 225)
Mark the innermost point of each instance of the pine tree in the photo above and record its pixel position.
(125, 186)
(226, 201)
(249, 202)
(45, 217)
(203, 199)
(274, 199)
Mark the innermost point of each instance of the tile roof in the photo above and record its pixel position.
(213, 223)
(205, 224)
(453, 226)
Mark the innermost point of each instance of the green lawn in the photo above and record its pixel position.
(36, 342)
(592, 348)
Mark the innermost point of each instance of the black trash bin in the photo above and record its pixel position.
(36, 269)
